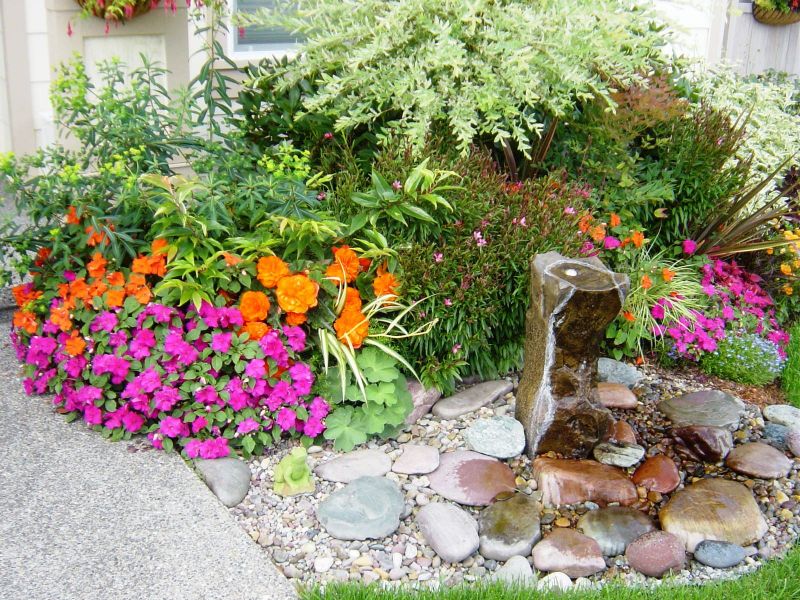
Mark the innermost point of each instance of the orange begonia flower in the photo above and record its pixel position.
(614, 221)
(385, 285)
(26, 321)
(667, 274)
(647, 283)
(41, 256)
(629, 316)
(95, 237)
(141, 264)
(230, 259)
(638, 239)
(255, 329)
(598, 233)
(75, 345)
(585, 223)
(72, 216)
(115, 298)
(115, 279)
(345, 265)
(60, 316)
(158, 264)
(98, 288)
(137, 287)
(297, 293)
(271, 270)
(97, 266)
(293, 319)
(352, 299)
(352, 326)
(80, 289)
(25, 294)
(254, 306)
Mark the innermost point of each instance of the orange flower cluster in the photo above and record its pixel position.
(385, 284)
(254, 306)
(345, 266)
(271, 270)
(155, 263)
(352, 326)
(297, 293)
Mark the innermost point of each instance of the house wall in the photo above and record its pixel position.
(5, 115)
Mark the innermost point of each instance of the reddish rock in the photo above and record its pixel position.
(758, 460)
(564, 481)
(656, 553)
(621, 432)
(658, 473)
(423, 399)
(470, 478)
(616, 395)
(567, 551)
(793, 441)
(703, 443)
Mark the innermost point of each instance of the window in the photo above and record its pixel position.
(250, 42)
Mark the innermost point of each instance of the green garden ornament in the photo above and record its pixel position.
(293, 475)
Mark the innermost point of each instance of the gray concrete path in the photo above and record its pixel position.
(84, 518)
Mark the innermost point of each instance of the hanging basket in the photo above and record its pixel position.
(775, 17)
(139, 8)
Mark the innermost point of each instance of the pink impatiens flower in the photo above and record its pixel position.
(247, 426)
(170, 427)
(689, 247)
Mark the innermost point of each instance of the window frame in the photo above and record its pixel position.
(249, 55)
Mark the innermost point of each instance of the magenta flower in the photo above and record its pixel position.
(208, 396)
(295, 337)
(105, 321)
(396, 185)
(92, 415)
(214, 448)
(142, 343)
(689, 247)
(255, 369)
(221, 342)
(132, 421)
(192, 448)
(170, 427)
(166, 398)
(568, 210)
(286, 419)
(198, 424)
(302, 378)
(313, 427)
(438, 257)
(448, 302)
(247, 426)
(319, 409)
(610, 243)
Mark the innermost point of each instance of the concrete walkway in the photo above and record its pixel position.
(84, 518)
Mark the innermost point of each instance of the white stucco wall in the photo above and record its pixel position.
(5, 117)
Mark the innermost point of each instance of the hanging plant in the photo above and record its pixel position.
(118, 11)
(776, 12)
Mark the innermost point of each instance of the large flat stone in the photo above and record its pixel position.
(563, 481)
(708, 407)
(616, 395)
(352, 465)
(471, 399)
(449, 530)
(783, 414)
(228, 478)
(501, 437)
(416, 459)
(758, 460)
(567, 551)
(615, 527)
(367, 508)
(470, 478)
(510, 527)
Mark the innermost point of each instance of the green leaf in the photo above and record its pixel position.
(381, 393)
(346, 428)
(248, 443)
(377, 366)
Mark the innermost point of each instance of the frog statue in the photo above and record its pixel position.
(293, 475)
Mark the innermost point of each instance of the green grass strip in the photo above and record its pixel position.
(777, 580)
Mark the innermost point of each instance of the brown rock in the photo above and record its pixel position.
(713, 509)
(563, 481)
(620, 431)
(656, 553)
(616, 395)
(793, 441)
(703, 443)
(658, 473)
(470, 478)
(572, 302)
(423, 399)
(567, 551)
(758, 460)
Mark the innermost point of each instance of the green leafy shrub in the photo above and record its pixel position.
(486, 69)
(745, 358)
(790, 379)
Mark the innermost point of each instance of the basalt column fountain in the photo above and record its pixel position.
(572, 303)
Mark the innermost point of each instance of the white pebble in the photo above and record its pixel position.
(411, 551)
(322, 564)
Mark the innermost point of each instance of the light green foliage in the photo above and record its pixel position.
(790, 379)
(293, 475)
(483, 68)
(745, 358)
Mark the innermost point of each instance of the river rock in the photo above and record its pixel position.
(416, 459)
(656, 553)
(703, 443)
(618, 454)
(658, 473)
(569, 552)
(228, 478)
(793, 441)
(775, 435)
(620, 431)
(615, 527)
(449, 530)
(470, 478)
(501, 437)
(516, 571)
(471, 399)
(356, 464)
(563, 481)
(616, 395)
(614, 371)
(713, 509)
(510, 527)
(783, 414)
(554, 582)
(367, 508)
(708, 407)
(423, 399)
(719, 555)
(758, 460)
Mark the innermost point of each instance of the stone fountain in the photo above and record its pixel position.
(572, 303)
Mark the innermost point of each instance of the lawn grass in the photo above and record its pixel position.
(790, 379)
(777, 580)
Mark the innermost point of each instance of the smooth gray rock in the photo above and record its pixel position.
(707, 407)
(352, 465)
(783, 414)
(510, 527)
(719, 555)
(615, 527)
(618, 454)
(775, 435)
(423, 399)
(554, 582)
(367, 508)
(416, 459)
(228, 478)
(449, 530)
(471, 399)
(614, 371)
(516, 571)
(501, 437)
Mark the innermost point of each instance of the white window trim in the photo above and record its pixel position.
(290, 51)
